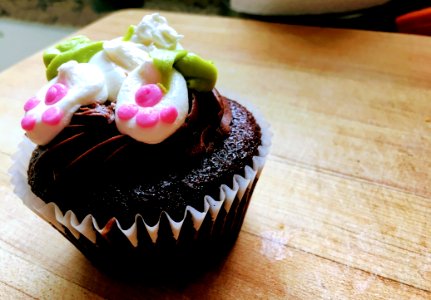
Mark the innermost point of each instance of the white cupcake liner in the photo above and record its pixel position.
(89, 227)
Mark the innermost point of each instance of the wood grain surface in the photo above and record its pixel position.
(343, 206)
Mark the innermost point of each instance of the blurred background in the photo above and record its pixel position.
(27, 26)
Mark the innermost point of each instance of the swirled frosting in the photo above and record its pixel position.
(93, 137)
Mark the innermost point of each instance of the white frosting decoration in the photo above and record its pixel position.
(155, 30)
(127, 55)
(117, 59)
(176, 97)
(115, 73)
(84, 84)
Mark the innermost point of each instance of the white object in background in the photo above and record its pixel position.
(300, 7)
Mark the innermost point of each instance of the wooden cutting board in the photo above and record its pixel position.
(343, 206)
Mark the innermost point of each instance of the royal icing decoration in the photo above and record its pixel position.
(154, 31)
(146, 72)
(144, 111)
(51, 109)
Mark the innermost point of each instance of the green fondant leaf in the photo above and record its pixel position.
(49, 54)
(200, 84)
(200, 74)
(164, 61)
(82, 53)
(72, 42)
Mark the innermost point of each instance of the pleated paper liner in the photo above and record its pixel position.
(199, 235)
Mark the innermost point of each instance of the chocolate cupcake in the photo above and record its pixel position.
(133, 155)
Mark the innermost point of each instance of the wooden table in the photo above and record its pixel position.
(343, 206)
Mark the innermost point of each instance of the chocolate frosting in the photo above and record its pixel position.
(90, 167)
(92, 133)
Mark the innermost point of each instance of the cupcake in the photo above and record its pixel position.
(133, 155)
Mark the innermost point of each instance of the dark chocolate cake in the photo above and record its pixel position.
(91, 168)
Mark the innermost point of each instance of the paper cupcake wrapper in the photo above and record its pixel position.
(218, 218)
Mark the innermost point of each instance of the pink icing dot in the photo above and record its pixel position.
(31, 103)
(55, 93)
(148, 95)
(127, 111)
(28, 123)
(169, 114)
(52, 116)
(147, 119)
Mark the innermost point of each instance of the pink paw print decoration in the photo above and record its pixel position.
(52, 115)
(51, 109)
(145, 111)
